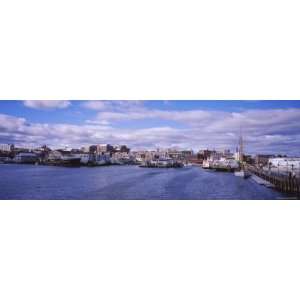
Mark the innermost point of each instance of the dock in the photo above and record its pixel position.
(284, 183)
(262, 181)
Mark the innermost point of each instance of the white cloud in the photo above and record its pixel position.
(264, 130)
(95, 105)
(113, 105)
(47, 104)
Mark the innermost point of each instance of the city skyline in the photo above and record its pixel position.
(267, 126)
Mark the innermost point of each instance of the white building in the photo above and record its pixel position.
(25, 157)
(6, 147)
(285, 163)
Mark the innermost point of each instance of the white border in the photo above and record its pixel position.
(140, 50)
(149, 250)
(149, 50)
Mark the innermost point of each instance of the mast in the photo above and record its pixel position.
(241, 147)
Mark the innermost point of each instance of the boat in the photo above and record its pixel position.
(242, 173)
(68, 161)
(223, 168)
(206, 164)
(100, 162)
(162, 163)
(25, 158)
(63, 158)
(188, 165)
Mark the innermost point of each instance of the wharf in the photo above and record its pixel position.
(283, 183)
(262, 181)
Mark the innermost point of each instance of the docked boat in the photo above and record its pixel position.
(56, 158)
(162, 163)
(242, 173)
(101, 162)
(187, 165)
(71, 161)
(25, 158)
(223, 169)
(206, 164)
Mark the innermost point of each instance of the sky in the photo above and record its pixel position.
(266, 126)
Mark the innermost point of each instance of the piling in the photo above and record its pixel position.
(284, 183)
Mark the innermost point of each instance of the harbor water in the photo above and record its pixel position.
(126, 182)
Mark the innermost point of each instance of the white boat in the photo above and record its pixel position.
(188, 165)
(242, 173)
(101, 162)
(206, 164)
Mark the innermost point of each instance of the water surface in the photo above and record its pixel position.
(125, 182)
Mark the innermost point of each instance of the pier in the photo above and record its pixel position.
(284, 183)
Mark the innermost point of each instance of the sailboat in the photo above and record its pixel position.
(241, 172)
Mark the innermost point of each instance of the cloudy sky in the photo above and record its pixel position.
(267, 126)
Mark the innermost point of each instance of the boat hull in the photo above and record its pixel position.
(71, 162)
(242, 174)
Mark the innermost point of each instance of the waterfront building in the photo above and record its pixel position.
(178, 154)
(85, 149)
(205, 154)
(102, 148)
(25, 157)
(93, 149)
(107, 148)
(226, 153)
(263, 159)
(43, 148)
(174, 153)
(121, 148)
(285, 164)
(248, 159)
(6, 147)
(215, 155)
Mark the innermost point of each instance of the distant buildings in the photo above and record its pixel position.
(121, 149)
(106, 148)
(6, 147)
(205, 154)
(105, 154)
(25, 158)
(285, 163)
(262, 159)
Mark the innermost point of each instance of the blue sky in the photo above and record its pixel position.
(76, 113)
(268, 126)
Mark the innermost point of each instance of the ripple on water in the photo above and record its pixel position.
(125, 182)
